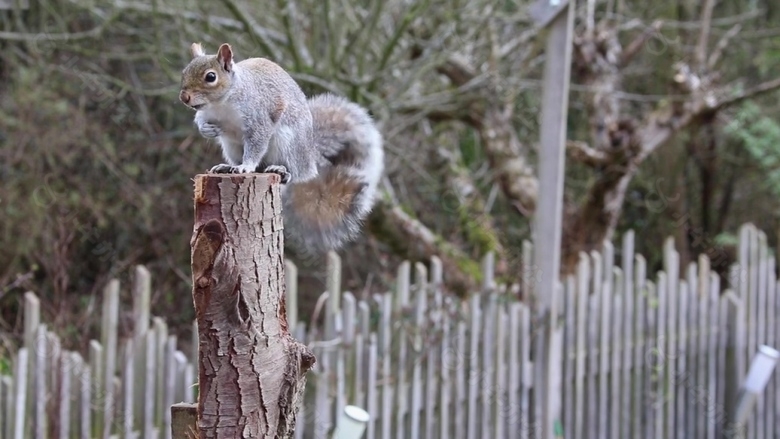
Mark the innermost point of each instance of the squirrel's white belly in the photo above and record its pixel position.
(280, 144)
(232, 138)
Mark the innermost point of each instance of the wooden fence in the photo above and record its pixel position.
(641, 357)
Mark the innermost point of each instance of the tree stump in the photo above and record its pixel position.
(251, 370)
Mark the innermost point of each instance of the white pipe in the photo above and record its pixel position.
(351, 423)
(760, 371)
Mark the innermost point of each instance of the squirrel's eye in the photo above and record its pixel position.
(211, 77)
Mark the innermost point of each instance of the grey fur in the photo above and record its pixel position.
(264, 123)
(257, 112)
(350, 146)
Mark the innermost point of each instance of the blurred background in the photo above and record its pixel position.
(674, 129)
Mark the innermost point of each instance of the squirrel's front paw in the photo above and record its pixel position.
(210, 130)
(278, 169)
(232, 169)
(221, 169)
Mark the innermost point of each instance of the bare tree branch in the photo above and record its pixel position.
(518, 41)
(704, 34)
(760, 89)
(410, 238)
(499, 141)
(695, 25)
(583, 153)
(224, 22)
(300, 54)
(721, 46)
(457, 70)
(507, 159)
(590, 17)
(639, 42)
(251, 26)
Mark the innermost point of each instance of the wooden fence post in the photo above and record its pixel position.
(559, 16)
(251, 370)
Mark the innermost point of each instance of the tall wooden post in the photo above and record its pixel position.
(559, 14)
(251, 370)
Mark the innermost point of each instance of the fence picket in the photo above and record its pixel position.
(617, 343)
(86, 399)
(605, 330)
(20, 393)
(662, 355)
(148, 390)
(291, 294)
(581, 351)
(32, 319)
(54, 354)
(627, 289)
(42, 354)
(775, 416)
(359, 371)
(445, 382)
(97, 395)
(386, 343)
(501, 397)
(108, 340)
(371, 393)
(591, 416)
(771, 413)
(672, 267)
(7, 393)
(128, 387)
(64, 400)
(430, 332)
(639, 358)
(170, 384)
(714, 327)
(644, 326)
(526, 373)
(417, 350)
(569, 354)
(759, 318)
(513, 423)
(486, 369)
(340, 366)
(723, 336)
(459, 361)
(699, 302)
(473, 356)
(402, 386)
(682, 376)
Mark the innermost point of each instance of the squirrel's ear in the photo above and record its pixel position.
(196, 50)
(225, 57)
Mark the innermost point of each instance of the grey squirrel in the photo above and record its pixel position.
(326, 149)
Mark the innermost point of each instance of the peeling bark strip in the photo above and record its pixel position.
(251, 370)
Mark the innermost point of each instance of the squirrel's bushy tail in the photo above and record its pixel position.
(327, 212)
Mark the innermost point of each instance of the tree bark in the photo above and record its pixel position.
(251, 370)
(411, 239)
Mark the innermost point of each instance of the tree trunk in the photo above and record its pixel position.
(251, 370)
(587, 226)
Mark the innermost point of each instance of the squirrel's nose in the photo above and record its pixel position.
(184, 96)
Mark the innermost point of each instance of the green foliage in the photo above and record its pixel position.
(760, 137)
(5, 366)
(727, 239)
